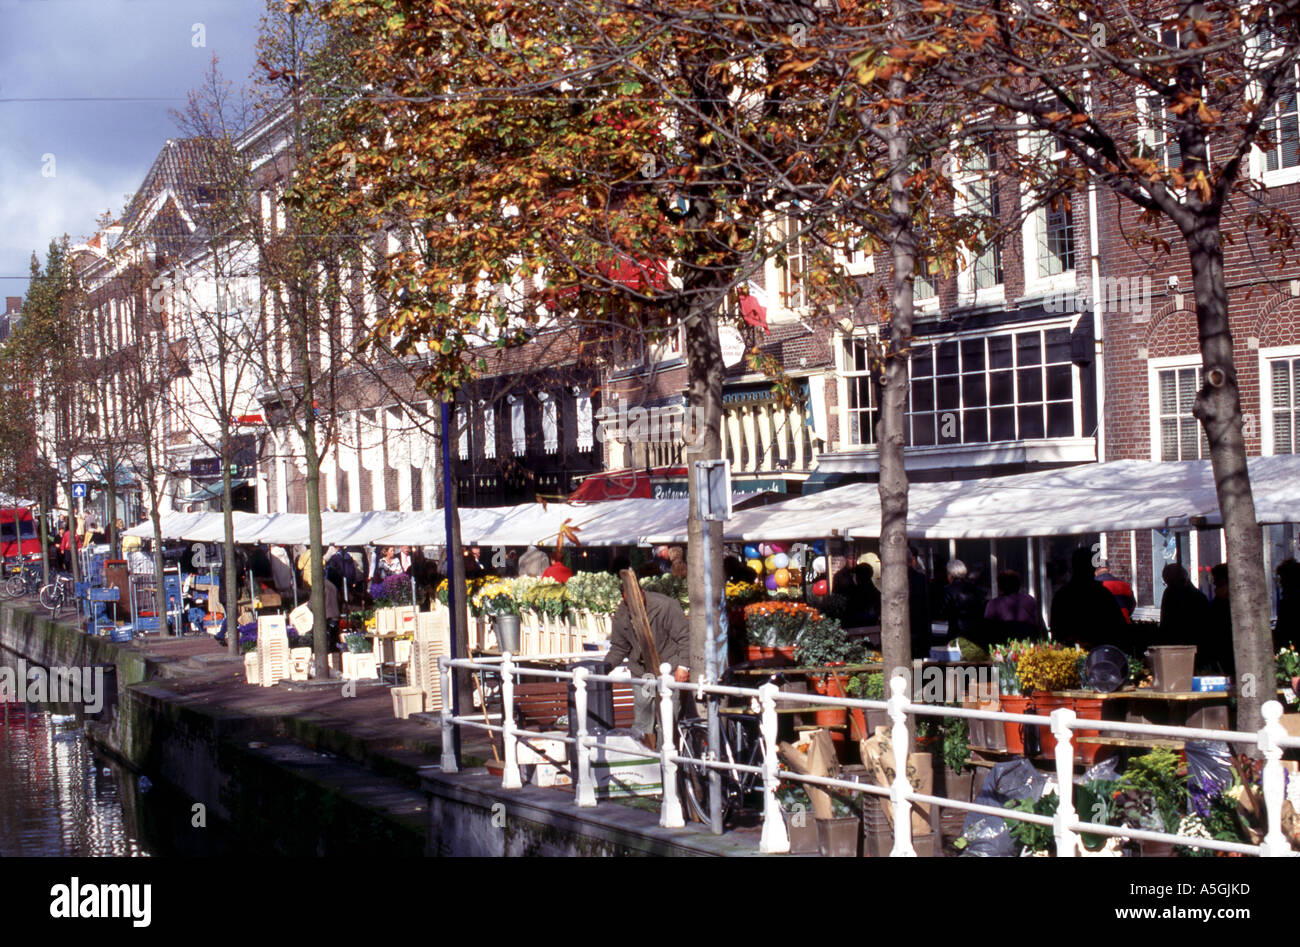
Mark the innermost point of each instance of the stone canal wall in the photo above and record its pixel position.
(297, 771)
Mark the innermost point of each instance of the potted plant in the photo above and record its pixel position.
(774, 627)
(496, 600)
(824, 643)
(393, 591)
(870, 686)
(1151, 795)
(841, 835)
(359, 644)
(957, 773)
(800, 826)
(1006, 659)
(1288, 671)
(1043, 669)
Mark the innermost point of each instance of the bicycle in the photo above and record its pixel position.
(741, 743)
(25, 579)
(58, 593)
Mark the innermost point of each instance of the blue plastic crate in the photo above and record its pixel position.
(113, 594)
(82, 589)
(122, 633)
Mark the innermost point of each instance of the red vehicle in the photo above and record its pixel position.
(19, 534)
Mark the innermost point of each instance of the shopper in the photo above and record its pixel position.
(1214, 646)
(1084, 612)
(1117, 587)
(1184, 609)
(1013, 613)
(963, 604)
(1287, 629)
(918, 605)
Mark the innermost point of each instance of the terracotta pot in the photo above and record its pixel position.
(786, 651)
(753, 652)
(1087, 708)
(1046, 704)
(833, 717)
(1014, 704)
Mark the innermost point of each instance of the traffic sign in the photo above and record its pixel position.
(79, 491)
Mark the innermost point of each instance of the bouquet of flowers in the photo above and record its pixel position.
(597, 592)
(394, 590)
(740, 594)
(773, 624)
(1006, 658)
(546, 598)
(495, 598)
(1048, 667)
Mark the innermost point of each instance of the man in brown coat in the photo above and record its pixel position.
(672, 640)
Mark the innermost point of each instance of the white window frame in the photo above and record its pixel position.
(1154, 367)
(967, 292)
(1266, 357)
(775, 276)
(1035, 284)
(844, 372)
(1259, 158)
(1012, 332)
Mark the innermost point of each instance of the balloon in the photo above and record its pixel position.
(769, 563)
(756, 564)
(781, 560)
(782, 577)
(771, 583)
(765, 549)
(778, 547)
(821, 587)
(819, 547)
(751, 552)
(819, 565)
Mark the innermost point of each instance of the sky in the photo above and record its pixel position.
(77, 152)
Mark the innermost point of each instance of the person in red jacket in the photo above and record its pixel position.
(1117, 587)
(66, 551)
(558, 571)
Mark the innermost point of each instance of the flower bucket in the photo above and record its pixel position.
(1013, 704)
(1087, 708)
(753, 652)
(834, 716)
(1046, 704)
(507, 627)
(1172, 666)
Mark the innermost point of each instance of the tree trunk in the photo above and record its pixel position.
(703, 434)
(1218, 406)
(895, 622)
(45, 539)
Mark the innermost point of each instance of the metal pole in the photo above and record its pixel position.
(451, 586)
(711, 677)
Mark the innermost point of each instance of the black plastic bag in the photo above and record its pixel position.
(987, 835)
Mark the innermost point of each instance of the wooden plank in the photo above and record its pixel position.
(1142, 744)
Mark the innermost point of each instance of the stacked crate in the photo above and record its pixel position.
(272, 649)
(432, 640)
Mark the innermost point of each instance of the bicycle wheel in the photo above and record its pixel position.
(52, 598)
(693, 781)
(15, 586)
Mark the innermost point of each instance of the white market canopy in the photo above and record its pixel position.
(1089, 498)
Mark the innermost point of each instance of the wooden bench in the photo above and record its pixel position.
(540, 704)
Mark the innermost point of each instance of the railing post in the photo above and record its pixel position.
(1275, 844)
(901, 787)
(448, 728)
(775, 839)
(510, 749)
(670, 811)
(1062, 721)
(584, 793)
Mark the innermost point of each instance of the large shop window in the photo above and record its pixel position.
(1018, 386)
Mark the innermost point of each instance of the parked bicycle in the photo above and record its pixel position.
(58, 593)
(25, 578)
(741, 743)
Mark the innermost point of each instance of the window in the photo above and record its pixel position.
(1159, 139)
(1009, 387)
(861, 406)
(1283, 128)
(1178, 435)
(981, 276)
(792, 286)
(1281, 400)
(1049, 230)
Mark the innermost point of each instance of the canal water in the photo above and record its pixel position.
(58, 797)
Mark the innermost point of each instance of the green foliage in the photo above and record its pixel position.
(825, 642)
(1155, 786)
(670, 586)
(359, 644)
(1035, 837)
(867, 686)
(597, 592)
(956, 743)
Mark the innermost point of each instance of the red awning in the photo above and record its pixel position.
(622, 484)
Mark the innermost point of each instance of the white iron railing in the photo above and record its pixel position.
(1271, 739)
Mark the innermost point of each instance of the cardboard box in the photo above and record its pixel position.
(533, 751)
(622, 766)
